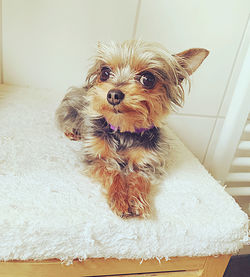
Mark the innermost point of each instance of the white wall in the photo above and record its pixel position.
(47, 43)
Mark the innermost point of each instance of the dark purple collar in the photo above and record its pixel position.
(137, 130)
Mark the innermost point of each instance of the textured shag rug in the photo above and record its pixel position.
(48, 209)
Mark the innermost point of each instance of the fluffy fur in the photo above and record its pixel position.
(145, 81)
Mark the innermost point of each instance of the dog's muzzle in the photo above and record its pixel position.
(115, 96)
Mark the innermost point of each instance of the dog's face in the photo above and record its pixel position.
(135, 84)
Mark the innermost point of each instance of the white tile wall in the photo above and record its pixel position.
(194, 131)
(46, 44)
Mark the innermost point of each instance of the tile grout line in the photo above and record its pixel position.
(226, 89)
(197, 115)
(138, 8)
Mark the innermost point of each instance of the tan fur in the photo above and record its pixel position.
(102, 149)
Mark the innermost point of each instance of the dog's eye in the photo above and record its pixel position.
(147, 79)
(105, 73)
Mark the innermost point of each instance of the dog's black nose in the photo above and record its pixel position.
(115, 96)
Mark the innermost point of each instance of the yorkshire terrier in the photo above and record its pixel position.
(118, 115)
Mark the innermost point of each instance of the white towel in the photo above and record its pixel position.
(48, 209)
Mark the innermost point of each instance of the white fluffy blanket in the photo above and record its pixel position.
(48, 209)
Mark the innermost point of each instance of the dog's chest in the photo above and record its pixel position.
(127, 140)
(120, 141)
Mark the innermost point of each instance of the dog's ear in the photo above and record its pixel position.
(191, 59)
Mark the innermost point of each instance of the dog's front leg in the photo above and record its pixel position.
(114, 184)
(138, 190)
(117, 194)
(140, 171)
(102, 165)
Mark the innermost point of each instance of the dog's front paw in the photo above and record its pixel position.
(120, 207)
(139, 207)
(73, 135)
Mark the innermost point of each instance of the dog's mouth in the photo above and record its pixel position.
(116, 110)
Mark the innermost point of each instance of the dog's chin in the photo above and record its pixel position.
(109, 110)
(127, 120)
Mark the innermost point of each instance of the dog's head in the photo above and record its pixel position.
(134, 84)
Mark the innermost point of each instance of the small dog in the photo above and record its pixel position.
(118, 116)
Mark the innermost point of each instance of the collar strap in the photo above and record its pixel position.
(137, 130)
